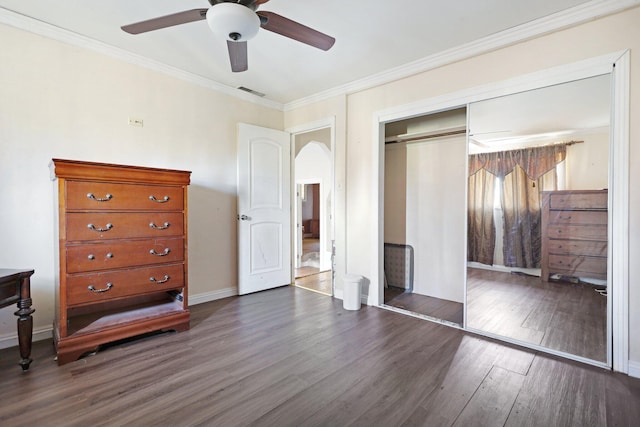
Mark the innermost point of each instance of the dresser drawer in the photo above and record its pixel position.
(118, 254)
(579, 232)
(87, 195)
(578, 247)
(113, 225)
(578, 217)
(100, 287)
(578, 265)
(579, 200)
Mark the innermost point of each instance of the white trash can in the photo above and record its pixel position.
(352, 292)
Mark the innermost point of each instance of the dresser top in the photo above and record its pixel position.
(604, 190)
(79, 170)
(7, 274)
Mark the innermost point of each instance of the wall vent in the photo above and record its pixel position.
(251, 91)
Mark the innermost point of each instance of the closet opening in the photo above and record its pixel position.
(424, 217)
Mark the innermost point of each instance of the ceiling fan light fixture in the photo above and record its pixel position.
(233, 21)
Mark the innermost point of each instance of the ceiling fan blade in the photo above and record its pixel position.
(238, 56)
(252, 4)
(288, 28)
(166, 21)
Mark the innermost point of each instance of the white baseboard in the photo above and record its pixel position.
(39, 334)
(634, 369)
(212, 296)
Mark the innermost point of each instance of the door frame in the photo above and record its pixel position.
(618, 65)
(330, 123)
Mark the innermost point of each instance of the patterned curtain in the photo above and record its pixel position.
(521, 206)
(481, 240)
(535, 161)
(523, 174)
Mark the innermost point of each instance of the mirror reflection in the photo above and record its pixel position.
(537, 217)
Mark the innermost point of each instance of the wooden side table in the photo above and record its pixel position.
(15, 287)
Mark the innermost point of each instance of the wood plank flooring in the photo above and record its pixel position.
(289, 357)
(306, 271)
(318, 282)
(421, 304)
(558, 315)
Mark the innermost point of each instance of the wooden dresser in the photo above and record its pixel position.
(574, 233)
(122, 233)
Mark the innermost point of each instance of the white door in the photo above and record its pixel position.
(264, 209)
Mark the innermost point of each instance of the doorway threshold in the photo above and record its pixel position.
(421, 316)
(539, 348)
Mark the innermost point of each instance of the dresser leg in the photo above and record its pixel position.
(25, 331)
(25, 323)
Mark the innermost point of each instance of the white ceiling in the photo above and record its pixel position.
(373, 36)
(553, 113)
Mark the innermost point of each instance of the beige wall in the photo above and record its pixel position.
(595, 38)
(395, 193)
(588, 163)
(62, 101)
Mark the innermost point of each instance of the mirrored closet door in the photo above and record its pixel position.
(537, 217)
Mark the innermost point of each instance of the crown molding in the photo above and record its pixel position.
(558, 21)
(65, 36)
(564, 19)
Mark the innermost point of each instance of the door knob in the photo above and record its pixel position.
(244, 218)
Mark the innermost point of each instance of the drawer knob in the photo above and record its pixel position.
(165, 280)
(106, 198)
(165, 199)
(91, 257)
(97, 291)
(164, 253)
(159, 227)
(107, 227)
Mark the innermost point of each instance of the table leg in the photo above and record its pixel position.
(25, 323)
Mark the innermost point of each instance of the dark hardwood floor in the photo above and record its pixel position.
(289, 357)
(558, 315)
(421, 304)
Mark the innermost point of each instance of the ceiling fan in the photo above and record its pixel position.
(237, 21)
